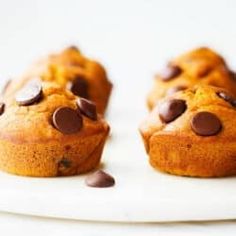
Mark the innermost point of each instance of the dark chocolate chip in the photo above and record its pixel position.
(233, 103)
(100, 179)
(79, 87)
(87, 108)
(73, 47)
(171, 72)
(64, 163)
(173, 90)
(29, 94)
(206, 124)
(171, 109)
(233, 74)
(228, 98)
(2, 108)
(67, 120)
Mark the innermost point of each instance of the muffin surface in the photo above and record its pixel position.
(192, 133)
(200, 66)
(72, 70)
(51, 134)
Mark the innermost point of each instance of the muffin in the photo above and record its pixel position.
(72, 70)
(45, 130)
(200, 66)
(193, 133)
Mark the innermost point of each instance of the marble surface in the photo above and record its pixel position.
(141, 194)
(12, 224)
(133, 39)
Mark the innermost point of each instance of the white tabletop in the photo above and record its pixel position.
(133, 39)
(27, 225)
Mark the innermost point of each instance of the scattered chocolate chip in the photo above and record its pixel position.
(206, 124)
(67, 120)
(73, 47)
(64, 163)
(224, 96)
(228, 98)
(171, 109)
(5, 87)
(232, 74)
(171, 72)
(64, 167)
(100, 179)
(88, 108)
(2, 108)
(173, 90)
(233, 103)
(29, 94)
(78, 87)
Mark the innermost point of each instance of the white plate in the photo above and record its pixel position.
(141, 194)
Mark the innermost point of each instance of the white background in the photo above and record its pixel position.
(133, 39)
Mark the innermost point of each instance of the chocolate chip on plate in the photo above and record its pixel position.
(171, 72)
(79, 87)
(29, 94)
(67, 120)
(88, 108)
(171, 109)
(100, 179)
(228, 98)
(206, 124)
(2, 108)
(175, 89)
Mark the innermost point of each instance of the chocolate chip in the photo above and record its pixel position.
(73, 47)
(228, 98)
(100, 179)
(67, 120)
(29, 94)
(233, 74)
(173, 90)
(78, 87)
(2, 108)
(171, 72)
(206, 124)
(64, 163)
(88, 108)
(171, 109)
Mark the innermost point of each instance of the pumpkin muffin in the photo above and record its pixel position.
(45, 130)
(193, 133)
(72, 70)
(200, 66)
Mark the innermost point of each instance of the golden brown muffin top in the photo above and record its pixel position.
(33, 122)
(64, 67)
(200, 66)
(201, 112)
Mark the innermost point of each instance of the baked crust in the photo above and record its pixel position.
(200, 66)
(176, 149)
(30, 145)
(64, 67)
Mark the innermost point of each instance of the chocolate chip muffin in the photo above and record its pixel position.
(200, 66)
(72, 70)
(193, 133)
(45, 130)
